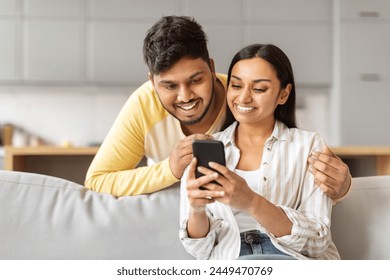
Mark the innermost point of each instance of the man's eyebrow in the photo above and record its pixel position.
(189, 78)
(195, 74)
(166, 82)
(255, 81)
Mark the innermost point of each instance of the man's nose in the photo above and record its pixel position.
(185, 94)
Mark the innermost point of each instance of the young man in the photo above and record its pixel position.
(183, 100)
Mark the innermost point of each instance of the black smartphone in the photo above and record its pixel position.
(206, 151)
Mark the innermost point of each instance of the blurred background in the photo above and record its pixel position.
(68, 66)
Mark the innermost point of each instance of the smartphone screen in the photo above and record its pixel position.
(206, 151)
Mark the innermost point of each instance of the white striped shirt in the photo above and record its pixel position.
(286, 182)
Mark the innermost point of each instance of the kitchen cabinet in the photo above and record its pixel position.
(307, 45)
(303, 29)
(82, 42)
(9, 52)
(365, 113)
(363, 9)
(365, 49)
(114, 52)
(52, 51)
(364, 72)
(76, 42)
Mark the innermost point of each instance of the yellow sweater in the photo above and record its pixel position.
(142, 128)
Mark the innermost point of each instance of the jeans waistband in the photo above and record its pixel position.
(254, 236)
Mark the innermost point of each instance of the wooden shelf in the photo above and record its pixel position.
(361, 151)
(359, 159)
(67, 163)
(72, 163)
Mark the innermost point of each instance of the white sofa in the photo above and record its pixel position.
(43, 217)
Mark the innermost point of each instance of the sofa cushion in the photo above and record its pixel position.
(43, 217)
(361, 223)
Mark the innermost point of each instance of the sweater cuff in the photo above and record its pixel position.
(171, 179)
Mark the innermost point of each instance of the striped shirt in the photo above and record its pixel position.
(286, 182)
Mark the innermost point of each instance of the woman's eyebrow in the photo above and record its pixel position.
(261, 80)
(255, 81)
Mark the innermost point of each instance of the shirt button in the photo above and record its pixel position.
(265, 179)
(269, 148)
(265, 163)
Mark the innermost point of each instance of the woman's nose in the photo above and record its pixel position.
(245, 96)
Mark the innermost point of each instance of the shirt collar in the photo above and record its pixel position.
(281, 132)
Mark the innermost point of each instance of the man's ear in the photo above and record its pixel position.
(212, 65)
(284, 94)
(150, 76)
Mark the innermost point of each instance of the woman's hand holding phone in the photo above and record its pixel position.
(237, 193)
(198, 197)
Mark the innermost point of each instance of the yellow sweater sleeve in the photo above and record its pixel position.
(113, 170)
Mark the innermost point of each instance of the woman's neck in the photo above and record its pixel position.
(253, 134)
(250, 141)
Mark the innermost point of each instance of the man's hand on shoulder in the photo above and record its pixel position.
(330, 173)
(182, 154)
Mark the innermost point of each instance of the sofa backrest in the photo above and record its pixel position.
(43, 217)
(361, 222)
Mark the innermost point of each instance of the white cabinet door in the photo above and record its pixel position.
(287, 10)
(365, 50)
(365, 74)
(309, 47)
(53, 51)
(302, 28)
(9, 51)
(115, 53)
(365, 113)
(365, 9)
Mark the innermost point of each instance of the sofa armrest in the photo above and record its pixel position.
(360, 223)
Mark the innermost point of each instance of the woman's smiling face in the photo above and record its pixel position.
(254, 91)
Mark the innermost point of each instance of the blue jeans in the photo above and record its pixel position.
(256, 243)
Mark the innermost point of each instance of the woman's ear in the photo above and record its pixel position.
(284, 94)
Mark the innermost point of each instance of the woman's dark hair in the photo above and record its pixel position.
(280, 62)
(172, 38)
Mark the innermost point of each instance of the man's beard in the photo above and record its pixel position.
(195, 121)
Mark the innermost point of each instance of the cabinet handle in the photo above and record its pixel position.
(370, 77)
(369, 14)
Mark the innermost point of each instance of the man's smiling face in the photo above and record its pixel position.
(186, 90)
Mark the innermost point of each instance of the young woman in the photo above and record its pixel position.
(266, 200)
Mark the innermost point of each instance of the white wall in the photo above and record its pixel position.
(81, 115)
(67, 67)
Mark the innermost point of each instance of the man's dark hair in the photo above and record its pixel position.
(172, 38)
